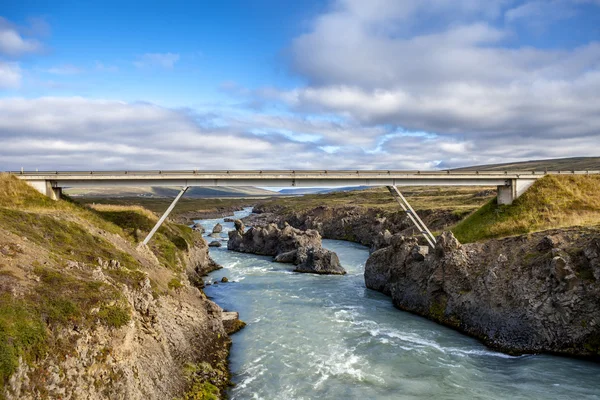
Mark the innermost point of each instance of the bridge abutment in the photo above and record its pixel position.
(46, 188)
(513, 189)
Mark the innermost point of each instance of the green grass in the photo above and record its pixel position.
(63, 238)
(168, 242)
(34, 311)
(22, 334)
(175, 284)
(66, 299)
(199, 377)
(554, 201)
(114, 316)
(159, 205)
(59, 299)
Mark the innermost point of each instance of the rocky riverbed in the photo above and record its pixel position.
(327, 337)
(530, 293)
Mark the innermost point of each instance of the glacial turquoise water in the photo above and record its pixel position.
(328, 337)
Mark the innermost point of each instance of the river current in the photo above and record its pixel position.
(329, 337)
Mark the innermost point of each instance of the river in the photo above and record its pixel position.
(329, 337)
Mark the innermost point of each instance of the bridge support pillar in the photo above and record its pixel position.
(46, 188)
(164, 216)
(513, 189)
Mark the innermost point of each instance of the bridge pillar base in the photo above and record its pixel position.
(46, 188)
(513, 190)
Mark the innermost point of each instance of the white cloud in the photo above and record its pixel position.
(463, 79)
(162, 60)
(10, 75)
(12, 43)
(77, 133)
(66, 69)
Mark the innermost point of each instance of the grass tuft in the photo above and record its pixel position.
(554, 201)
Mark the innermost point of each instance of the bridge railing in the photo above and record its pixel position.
(299, 173)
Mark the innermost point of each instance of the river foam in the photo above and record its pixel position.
(329, 337)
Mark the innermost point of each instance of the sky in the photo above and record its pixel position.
(282, 84)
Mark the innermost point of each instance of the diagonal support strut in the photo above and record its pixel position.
(164, 216)
(413, 215)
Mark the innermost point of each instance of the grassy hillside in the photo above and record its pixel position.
(552, 202)
(49, 251)
(556, 164)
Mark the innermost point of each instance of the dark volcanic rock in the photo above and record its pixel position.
(218, 228)
(270, 240)
(318, 261)
(287, 245)
(215, 243)
(519, 294)
(366, 226)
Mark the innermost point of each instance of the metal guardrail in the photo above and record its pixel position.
(304, 173)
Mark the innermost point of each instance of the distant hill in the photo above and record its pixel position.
(301, 191)
(193, 192)
(556, 164)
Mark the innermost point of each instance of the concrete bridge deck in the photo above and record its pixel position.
(511, 184)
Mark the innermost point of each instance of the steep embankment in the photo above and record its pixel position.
(84, 314)
(554, 201)
(538, 292)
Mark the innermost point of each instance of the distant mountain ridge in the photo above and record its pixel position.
(193, 192)
(556, 164)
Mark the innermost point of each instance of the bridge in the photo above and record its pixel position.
(510, 184)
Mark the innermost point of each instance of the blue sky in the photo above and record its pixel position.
(414, 84)
(92, 49)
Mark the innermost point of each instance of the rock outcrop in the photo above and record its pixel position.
(218, 228)
(353, 223)
(525, 294)
(286, 245)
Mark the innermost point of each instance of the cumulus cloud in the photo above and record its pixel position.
(80, 134)
(10, 75)
(161, 60)
(66, 69)
(413, 84)
(462, 79)
(12, 42)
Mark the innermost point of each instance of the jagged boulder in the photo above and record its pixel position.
(318, 261)
(218, 228)
(214, 243)
(198, 227)
(287, 245)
